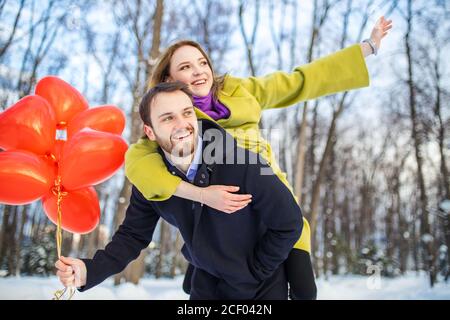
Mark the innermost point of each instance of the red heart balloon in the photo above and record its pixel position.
(28, 125)
(24, 177)
(80, 211)
(51, 164)
(57, 149)
(105, 118)
(65, 99)
(91, 157)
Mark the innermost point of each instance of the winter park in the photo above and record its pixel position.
(224, 150)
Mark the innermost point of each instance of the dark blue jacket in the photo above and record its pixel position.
(241, 249)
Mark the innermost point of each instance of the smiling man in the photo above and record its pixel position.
(235, 256)
(174, 126)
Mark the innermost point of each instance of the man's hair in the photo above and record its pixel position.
(147, 99)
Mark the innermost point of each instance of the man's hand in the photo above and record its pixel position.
(380, 30)
(221, 198)
(71, 272)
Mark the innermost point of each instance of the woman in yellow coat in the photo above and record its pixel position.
(236, 104)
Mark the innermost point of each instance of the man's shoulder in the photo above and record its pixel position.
(245, 162)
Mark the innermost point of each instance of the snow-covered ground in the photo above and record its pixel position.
(336, 287)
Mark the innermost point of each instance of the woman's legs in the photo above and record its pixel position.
(299, 269)
(300, 275)
(188, 279)
(298, 265)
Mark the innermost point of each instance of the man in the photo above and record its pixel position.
(235, 256)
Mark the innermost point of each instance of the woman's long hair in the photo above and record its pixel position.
(161, 70)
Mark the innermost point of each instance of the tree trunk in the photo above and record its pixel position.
(66, 246)
(314, 207)
(136, 268)
(23, 221)
(441, 135)
(404, 242)
(334, 215)
(92, 242)
(389, 228)
(4, 232)
(414, 242)
(426, 239)
(177, 257)
(12, 242)
(164, 248)
(301, 145)
(301, 152)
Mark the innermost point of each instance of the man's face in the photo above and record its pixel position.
(174, 123)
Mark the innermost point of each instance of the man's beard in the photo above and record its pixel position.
(181, 149)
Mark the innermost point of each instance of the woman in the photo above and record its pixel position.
(236, 104)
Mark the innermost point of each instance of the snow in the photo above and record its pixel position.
(445, 206)
(43, 288)
(410, 286)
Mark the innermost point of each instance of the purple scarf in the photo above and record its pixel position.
(211, 107)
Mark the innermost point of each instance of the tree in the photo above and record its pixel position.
(426, 238)
(146, 51)
(320, 14)
(249, 40)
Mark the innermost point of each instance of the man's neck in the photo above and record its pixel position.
(182, 163)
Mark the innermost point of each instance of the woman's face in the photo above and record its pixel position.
(188, 65)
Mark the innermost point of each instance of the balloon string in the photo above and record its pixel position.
(59, 193)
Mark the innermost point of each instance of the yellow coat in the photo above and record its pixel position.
(246, 98)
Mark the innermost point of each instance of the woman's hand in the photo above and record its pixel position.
(218, 197)
(380, 30)
(222, 198)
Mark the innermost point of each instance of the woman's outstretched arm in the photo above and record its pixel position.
(340, 71)
(379, 31)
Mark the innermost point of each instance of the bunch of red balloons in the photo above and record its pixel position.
(54, 144)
